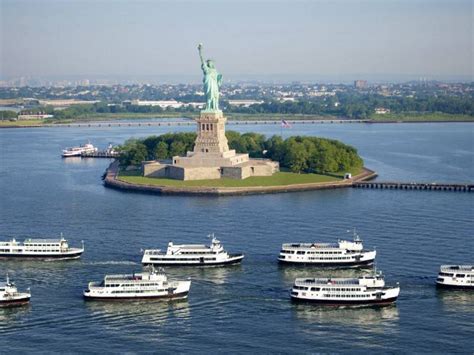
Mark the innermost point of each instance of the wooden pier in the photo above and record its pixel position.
(101, 154)
(413, 186)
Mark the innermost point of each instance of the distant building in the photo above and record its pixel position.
(195, 104)
(287, 99)
(163, 103)
(360, 84)
(33, 116)
(382, 110)
(66, 102)
(244, 103)
(321, 93)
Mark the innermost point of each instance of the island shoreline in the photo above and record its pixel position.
(111, 180)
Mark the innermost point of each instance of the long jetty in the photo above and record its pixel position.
(191, 122)
(413, 186)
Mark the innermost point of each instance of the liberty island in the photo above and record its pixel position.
(211, 157)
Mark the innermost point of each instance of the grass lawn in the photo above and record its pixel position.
(20, 123)
(278, 179)
(421, 117)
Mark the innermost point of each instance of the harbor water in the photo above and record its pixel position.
(243, 308)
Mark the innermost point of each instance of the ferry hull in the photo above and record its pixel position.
(74, 255)
(14, 303)
(180, 295)
(328, 265)
(375, 302)
(455, 287)
(233, 260)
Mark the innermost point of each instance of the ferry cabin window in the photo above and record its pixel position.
(446, 274)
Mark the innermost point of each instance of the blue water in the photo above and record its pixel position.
(242, 308)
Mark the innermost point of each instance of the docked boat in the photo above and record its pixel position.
(87, 148)
(144, 285)
(344, 253)
(365, 290)
(191, 254)
(456, 276)
(40, 248)
(10, 297)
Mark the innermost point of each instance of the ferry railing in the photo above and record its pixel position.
(152, 252)
(309, 245)
(454, 268)
(325, 282)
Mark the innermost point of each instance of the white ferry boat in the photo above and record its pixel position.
(456, 276)
(77, 151)
(39, 248)
(343, 254)
(10, 297)
(365, 290)
(191, 254)
(143, 285)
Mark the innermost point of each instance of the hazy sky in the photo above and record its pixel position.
(319, 38)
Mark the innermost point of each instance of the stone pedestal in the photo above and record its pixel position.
(211, 148)
(211, 133)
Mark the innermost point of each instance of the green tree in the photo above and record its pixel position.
(161, 151)
(132, 152)
(8, 115)
(296, 157)
(177, 148)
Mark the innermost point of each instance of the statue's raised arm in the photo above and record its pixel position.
(212, 81)
(200, 55)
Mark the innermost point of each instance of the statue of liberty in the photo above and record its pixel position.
(212, 82)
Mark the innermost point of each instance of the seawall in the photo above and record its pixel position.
(111, 180)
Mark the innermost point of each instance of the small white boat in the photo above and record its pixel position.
(191, 254)
(39, 249)
(362, 291)
(87, 148)
(456, 276)
(144, 285)
(10, 297)
(343, 254)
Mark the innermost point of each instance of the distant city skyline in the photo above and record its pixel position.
(271, 41)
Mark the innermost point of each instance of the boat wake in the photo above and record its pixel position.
(113, 262)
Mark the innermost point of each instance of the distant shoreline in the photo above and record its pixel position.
(156, 121)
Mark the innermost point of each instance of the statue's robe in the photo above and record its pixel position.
(211, 86)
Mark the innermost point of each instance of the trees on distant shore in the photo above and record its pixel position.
(298, 154)
(8, 115)
(361, 106)
(351, 104)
